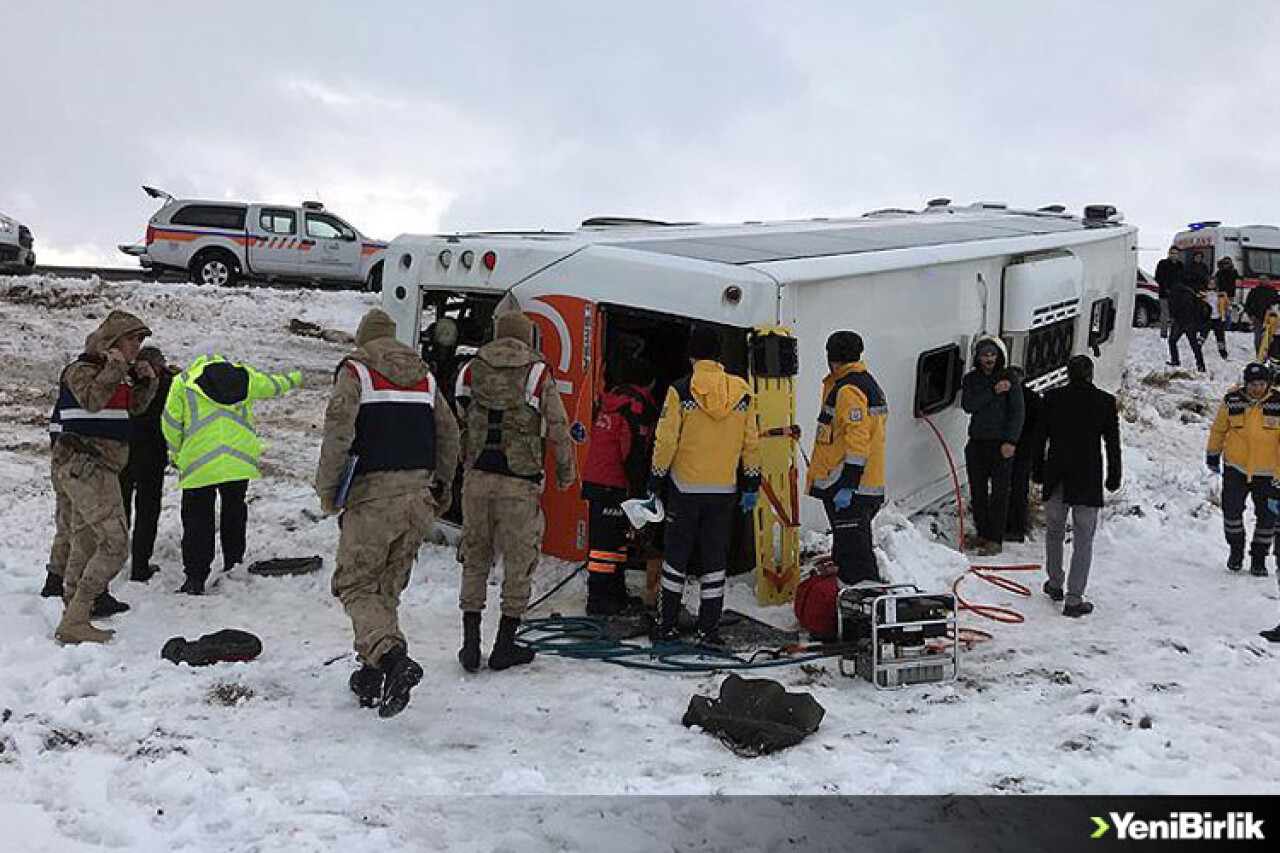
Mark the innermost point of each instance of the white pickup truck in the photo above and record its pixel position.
(17, 252)
(219, 242)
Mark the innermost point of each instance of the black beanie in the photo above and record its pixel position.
(1257, 371)
(844, 347)
(704, 343)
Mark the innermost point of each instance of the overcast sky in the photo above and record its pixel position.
(422, 117)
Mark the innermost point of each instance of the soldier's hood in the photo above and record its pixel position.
(392, 359)
(116, 326)
(508, 352)
(375, 325)
(714, 389)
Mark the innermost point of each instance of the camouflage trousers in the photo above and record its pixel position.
(501, 516)
(376, 551)
(97, 533)
(60, 548)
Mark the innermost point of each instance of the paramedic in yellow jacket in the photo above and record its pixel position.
(847, 471)
(1247, 433)
(708, 445)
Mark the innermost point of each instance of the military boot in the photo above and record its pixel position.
(505, 652)
(52, 586)
(1258, 565)
(75, 626)
(469, 654)
(366, 683)
(400, 674)
(1235, 559)
(107, 605)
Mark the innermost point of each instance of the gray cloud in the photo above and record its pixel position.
(418, 117)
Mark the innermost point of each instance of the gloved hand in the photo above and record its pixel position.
(1214, 462)
(748, 501)
(843, 498)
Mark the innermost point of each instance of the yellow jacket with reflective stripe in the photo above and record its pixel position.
(1246, 433)
(214, 442)
(848, 449)
(707, 432)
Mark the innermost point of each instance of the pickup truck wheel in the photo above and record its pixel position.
(373, 283)
(215, 268)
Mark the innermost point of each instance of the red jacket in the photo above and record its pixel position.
(621, 440)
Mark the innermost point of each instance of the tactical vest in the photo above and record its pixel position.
(504, 417)
(396, 425)
(111, 421)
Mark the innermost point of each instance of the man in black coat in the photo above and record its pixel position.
(1169, 273)
(142, 480)
(1075, 422)
(1185, 306)
(1020, 488)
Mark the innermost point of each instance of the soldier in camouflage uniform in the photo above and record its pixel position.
(509, 402)
(387, 463)
(96, 395)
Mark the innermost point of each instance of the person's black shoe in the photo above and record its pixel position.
(506, 653)
(1015, 536)
(52, 586)
(1055, 593)
(710, 639)
(144, 574)
(192, 586)
(469, 654)
(366, 683)
(1258, 567)
(1272, 635)
(1077, 608)
(664, 636)
(400, 674)
(1235, 560)
(105, 606)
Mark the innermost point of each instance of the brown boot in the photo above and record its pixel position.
(75, 626)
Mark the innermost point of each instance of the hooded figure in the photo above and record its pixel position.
(92, 429)
(387, 463)
(708, 444)
(209, 428)
(994, 402)
(512, 412)
(142, 480)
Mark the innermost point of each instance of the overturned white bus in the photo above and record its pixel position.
(918, 286)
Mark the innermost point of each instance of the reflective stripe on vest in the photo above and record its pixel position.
(533, 385)
(395, 425)
(111, 421)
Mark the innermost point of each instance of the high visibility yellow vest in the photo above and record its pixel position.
(212, 442)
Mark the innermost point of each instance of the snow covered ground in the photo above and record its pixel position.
(1165, 689)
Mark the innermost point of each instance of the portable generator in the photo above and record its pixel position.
(898, 635)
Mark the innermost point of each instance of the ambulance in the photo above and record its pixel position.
(919, 286)
(1254, 249)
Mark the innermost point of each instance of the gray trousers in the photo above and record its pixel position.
(1084, 523)
(1166, 319)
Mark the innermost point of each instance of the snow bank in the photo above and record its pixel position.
(1166, 688)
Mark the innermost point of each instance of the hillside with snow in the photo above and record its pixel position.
(1166, 688)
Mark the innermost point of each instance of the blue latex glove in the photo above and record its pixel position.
(748, 501)
(1214, 463)
(843, 498)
